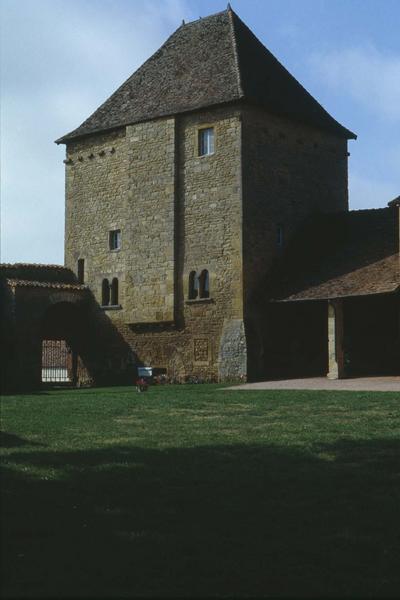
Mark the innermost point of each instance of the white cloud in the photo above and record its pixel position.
(371, 77)
(60, 60)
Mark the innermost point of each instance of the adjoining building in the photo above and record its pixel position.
(349, 265)
(54, 333)
(207, 219)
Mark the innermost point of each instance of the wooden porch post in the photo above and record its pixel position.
(335, 339)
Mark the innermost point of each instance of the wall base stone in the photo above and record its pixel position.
(232, 357)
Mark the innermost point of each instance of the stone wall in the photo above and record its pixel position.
(96, 203)
(32, 313)
(233, 351)
(22, 315)
(290, 171)
(207, 230)
(8, 355)
(148, 227)
(177, 212)
(125, 181)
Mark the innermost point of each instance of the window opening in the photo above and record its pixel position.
(81, 270)
(206, 141)
(114, 292)
(105, 293)
(204, 287)
(115, 239)
(279, 236)
(193, 285)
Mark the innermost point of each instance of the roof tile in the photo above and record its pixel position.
(46, 284)
(348, 254)
(208, 62)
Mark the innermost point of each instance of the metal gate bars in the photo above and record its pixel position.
(57, 362)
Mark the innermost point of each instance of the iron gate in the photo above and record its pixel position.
(57, 362)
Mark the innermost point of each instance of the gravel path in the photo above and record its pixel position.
(361, 384)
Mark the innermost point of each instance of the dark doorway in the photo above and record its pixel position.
(290, 341)
(371, 335)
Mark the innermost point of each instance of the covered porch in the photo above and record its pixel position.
(340, 337)
(335, 307)
(364, 336)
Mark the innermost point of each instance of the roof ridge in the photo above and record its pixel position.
(364, 210)
(34, 265)
(235, 51)
(217, 14)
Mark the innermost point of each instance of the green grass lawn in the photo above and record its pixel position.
(196, 491)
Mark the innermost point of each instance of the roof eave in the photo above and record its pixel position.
(69, 137)
(334, 296)
(72, 136)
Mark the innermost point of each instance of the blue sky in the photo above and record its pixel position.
(60, 59)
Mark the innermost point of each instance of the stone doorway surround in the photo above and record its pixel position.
(359, 384)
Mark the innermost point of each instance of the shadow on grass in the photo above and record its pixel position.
(10, 440)
(205, 521)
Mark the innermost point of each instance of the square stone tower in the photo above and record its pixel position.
(184, 187)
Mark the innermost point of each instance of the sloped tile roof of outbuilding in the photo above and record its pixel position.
(46, 284)
(348, 254)
(37, 273)
(211, 61)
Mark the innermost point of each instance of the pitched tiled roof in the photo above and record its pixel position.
(347, 254)
(37, 273)
(46, 284)
(394, 202)
(31, 266)
(208, 62)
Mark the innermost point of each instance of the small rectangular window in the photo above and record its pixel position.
(115, 239)
(81, 270)
(279, 236)
(206, 141)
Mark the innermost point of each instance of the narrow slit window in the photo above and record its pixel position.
(206, 141)
(279, 236)
(193, 285)
(81, 270)
(115, 239)
(114, 292)
(204, 284)
(105, 293)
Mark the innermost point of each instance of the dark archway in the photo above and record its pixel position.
(61, 321)
(63, 343)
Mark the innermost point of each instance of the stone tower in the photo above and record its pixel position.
(184, 187)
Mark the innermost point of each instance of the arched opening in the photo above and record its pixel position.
(114, 292)
(62, 342)
(105, 293)
(204, 284)
(193, 285)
